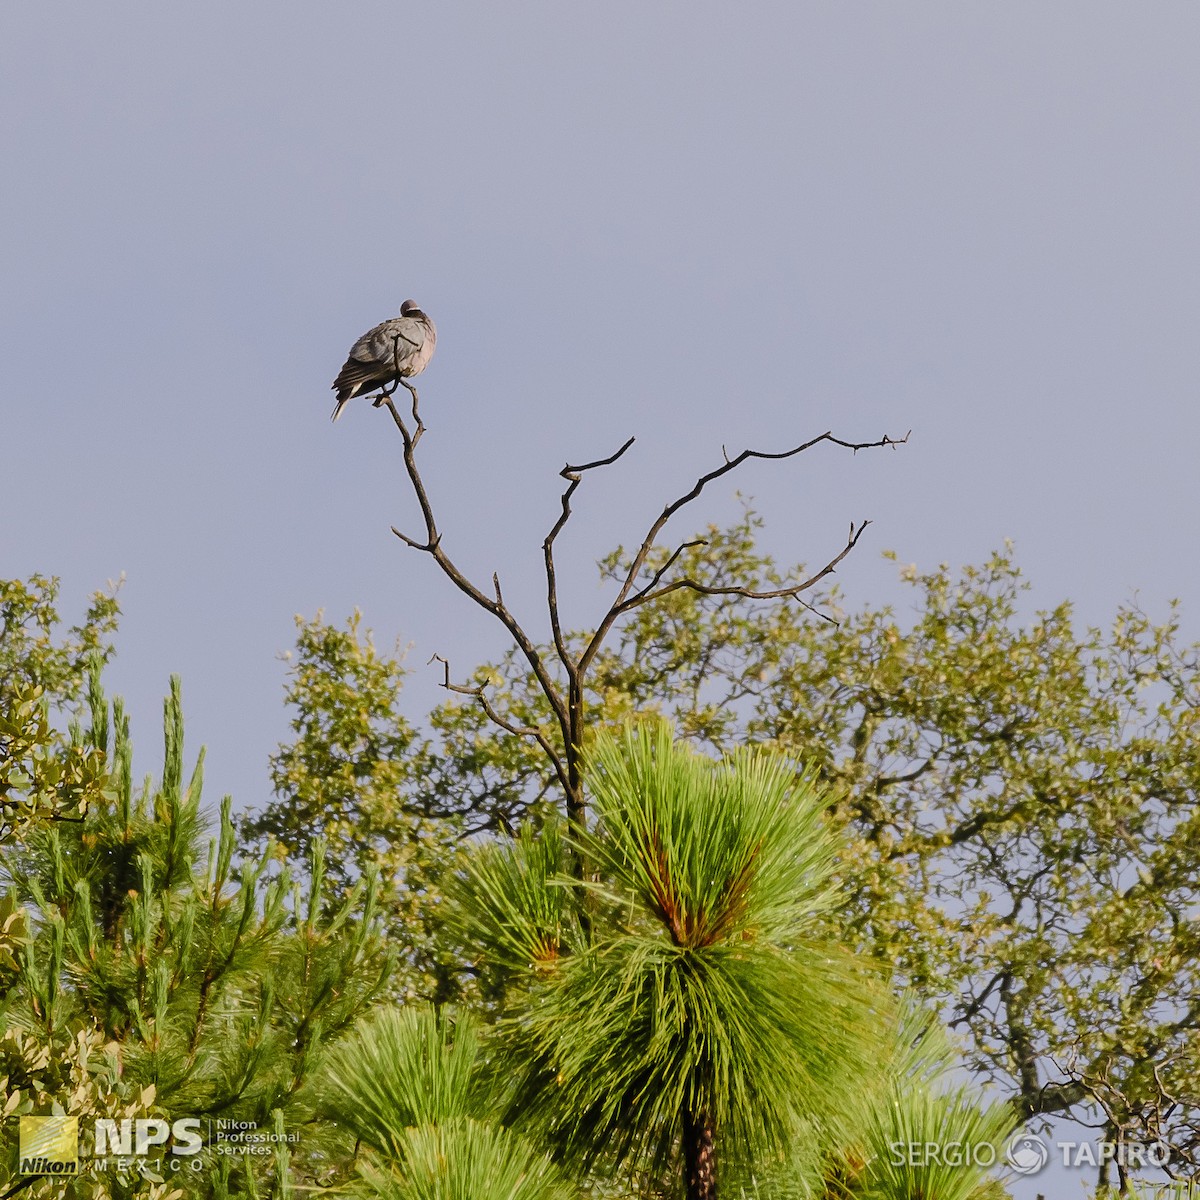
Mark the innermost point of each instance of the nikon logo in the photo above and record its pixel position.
(49, 1146)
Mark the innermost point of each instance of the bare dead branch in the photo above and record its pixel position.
(815, 611)
(568, 707)
(433, 546)
(479, 693)
(412, 542)
(416, 413)
(654, 581)
(569, 472)
(636, 565)
(791, 591)
(573, 475)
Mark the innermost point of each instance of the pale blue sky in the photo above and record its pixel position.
(701, 224)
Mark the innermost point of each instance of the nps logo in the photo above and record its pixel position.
(49, 1146)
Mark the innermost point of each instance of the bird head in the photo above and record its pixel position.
(409, 308)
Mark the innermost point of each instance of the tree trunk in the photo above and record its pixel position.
(699, 1156)
(576, 804)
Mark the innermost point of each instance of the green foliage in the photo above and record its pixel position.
(346, 780)
(880, 1149)
(467, 1160)
(153, 970)
(899, 1163)
(411, 1087)
(1175, 1190)
(42, 777)
(31, 658)
(149, 974)
(740, 847)
(404, 1067)
(911, 1106)
(700, 987)
(510, 916)
(345, 772)
(1019, 793)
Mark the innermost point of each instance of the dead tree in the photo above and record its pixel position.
(567, 704)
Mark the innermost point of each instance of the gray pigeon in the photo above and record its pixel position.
(401, 347)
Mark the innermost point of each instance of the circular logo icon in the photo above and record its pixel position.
(1027, 1153)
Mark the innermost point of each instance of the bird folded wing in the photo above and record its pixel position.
(357, 373)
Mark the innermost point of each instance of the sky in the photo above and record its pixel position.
(704, 225)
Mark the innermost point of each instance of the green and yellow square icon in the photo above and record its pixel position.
(49, 1146)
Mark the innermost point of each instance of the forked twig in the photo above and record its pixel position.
(480, 693)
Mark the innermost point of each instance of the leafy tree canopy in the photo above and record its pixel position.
(1020, 795)
(35, 652)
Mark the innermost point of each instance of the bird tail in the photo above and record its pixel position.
(342, 400)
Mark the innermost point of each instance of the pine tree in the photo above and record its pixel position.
(414, 1088)
(151, 970)
(675, 1026)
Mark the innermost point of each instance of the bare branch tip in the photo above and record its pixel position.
(412, 543)
(571, 472)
